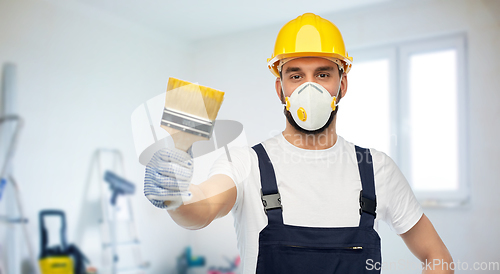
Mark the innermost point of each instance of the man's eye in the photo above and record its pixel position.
(323, 75)
(295, 77)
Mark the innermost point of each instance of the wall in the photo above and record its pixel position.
(80, 74)
(236, 63)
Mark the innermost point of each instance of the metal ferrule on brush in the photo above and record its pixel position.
(187, 123)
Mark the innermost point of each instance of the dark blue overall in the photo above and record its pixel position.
(288, 249)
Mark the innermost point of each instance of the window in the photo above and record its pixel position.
(366, 106)
(433, 120)
(408, 100)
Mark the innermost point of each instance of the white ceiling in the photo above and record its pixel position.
(197, 19)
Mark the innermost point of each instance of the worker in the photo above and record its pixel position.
(305, 200)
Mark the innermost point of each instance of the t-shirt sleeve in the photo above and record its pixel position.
(403, 209)
(235, 163)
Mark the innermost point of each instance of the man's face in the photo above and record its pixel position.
(310, 69)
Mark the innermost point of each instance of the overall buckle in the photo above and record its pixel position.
(270, 201)
(367, 205)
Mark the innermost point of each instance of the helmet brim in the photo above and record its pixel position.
(272, 63)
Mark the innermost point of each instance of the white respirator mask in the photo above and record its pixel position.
(311, 105)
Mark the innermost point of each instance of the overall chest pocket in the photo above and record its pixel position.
(295, 259)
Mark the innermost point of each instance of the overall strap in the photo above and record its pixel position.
(367, 198)
(269, 188)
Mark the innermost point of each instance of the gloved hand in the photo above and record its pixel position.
(168, 176)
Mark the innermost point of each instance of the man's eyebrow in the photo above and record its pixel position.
(292, 69)
(325, 68)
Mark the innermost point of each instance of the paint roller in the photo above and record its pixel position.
(118, 185)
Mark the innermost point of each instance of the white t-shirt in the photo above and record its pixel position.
(318, 188)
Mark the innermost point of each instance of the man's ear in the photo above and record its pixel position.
(343, 85)
(277, 85)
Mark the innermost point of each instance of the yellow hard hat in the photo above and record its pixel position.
(309, 35)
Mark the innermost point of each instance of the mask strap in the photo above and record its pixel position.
(282, 94)
(338, 91)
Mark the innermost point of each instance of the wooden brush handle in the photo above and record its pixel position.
(183, 140)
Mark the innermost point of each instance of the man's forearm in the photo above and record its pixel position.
(194, 215)
(439, 263)
(210, 200)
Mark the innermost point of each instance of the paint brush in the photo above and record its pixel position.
(190, 112)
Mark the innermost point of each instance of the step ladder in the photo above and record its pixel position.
(7, 179)
(116, 210)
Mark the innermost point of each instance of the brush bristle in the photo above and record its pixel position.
(193, 99)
